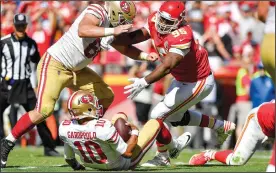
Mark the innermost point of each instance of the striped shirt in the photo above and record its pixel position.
(16, 57)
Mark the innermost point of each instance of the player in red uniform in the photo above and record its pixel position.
(188, 62)
(259, 127)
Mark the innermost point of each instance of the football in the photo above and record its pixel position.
(123, 130)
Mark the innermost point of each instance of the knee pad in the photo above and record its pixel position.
(159, 110)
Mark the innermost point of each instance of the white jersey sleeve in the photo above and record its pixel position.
(97, 11)
(109, 134)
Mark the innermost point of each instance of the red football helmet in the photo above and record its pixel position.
(169, 16)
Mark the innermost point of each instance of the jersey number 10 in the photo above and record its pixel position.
(97, 148)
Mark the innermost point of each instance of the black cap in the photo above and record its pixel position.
(20, 19)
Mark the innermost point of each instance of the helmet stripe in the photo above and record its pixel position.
(69, 103)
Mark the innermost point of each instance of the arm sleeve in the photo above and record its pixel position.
(181, 43)
(181, 52)
(68, 152)
(34, 53)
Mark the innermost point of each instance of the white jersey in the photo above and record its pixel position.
(270, 21)
(97, 143)
(75, 52)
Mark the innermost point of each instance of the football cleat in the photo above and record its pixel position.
(182, 142)
(158, 160)
(201, 158)
(225, 131)
(6, 147)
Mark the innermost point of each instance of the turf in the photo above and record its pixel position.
(31, 159)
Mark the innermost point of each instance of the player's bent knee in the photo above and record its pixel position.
(36, 117)
(152, 125)
(108, 98)
(237, 160)
(158, 111)
(46, 110)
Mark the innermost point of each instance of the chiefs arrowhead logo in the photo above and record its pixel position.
(125, 6)
(87, 99)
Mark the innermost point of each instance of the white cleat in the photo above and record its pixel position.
(225, 131)
(182, 142)
(158, 160)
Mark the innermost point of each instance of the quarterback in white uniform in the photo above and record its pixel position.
(65, 63)
(97, 141)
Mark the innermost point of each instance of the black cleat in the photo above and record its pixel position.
(6, 147)
(51, 152)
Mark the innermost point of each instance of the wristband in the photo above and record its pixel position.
(108, 31)
(143, 56)
(135, 132)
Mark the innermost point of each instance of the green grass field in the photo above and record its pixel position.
(31, 159)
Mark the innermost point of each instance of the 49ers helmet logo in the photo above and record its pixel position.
(87, 99)
(125, 6)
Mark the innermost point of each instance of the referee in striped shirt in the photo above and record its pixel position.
(17, 52)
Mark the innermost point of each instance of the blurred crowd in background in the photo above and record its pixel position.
(229, 30)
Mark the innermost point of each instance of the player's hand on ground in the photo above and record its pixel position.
(152, 57)
(138, 84)
(122, 29)
(132, 126)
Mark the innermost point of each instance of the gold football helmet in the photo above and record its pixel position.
(83, 104)
(120, 12)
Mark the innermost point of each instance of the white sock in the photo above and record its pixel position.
(11, 138)
(172, 144)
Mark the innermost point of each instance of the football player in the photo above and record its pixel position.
(259, 127)
(97, 141)
(188, 63)
(266, 13)
(65, 63)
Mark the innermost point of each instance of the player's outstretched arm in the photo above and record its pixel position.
(132, 37)
(171, 60)
(131, 143)
(123, 43)
(89, 27)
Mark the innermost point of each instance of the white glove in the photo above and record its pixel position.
(106, 41)
(138, 85)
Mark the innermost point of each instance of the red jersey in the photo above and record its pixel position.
(195, 65)
(266, 118)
